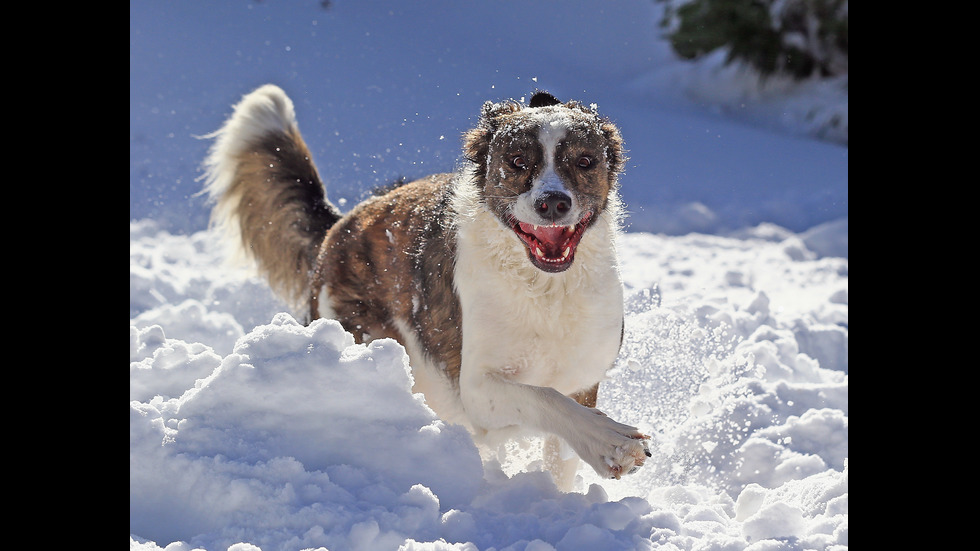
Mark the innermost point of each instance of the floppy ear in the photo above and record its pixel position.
(476, 142)
(615, 153)
(476, 145)
(543, 99)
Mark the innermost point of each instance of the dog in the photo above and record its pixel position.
(500, 279)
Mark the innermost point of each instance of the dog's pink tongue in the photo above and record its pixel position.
(551, 236)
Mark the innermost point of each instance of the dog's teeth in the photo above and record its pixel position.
(535, 227)
(571, 229)
(564, 255)
(538, 251)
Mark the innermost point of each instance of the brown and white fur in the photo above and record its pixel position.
(500, 279)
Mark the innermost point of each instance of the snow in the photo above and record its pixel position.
(250, 431)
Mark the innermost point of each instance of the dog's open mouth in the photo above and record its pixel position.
(551, 248)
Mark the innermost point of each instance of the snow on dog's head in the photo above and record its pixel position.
(547, 170)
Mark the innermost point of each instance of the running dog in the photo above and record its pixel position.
(500, 279)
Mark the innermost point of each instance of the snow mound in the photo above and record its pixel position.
(294, 437)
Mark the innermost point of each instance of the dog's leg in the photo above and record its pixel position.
(494, 402)
(588, 398)
(561, 467)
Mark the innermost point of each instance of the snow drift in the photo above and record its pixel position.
(290, 437)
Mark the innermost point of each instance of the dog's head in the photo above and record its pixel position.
(547, 171)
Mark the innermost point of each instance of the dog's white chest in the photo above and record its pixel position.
(534, 328)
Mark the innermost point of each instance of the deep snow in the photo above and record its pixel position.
(249, 430)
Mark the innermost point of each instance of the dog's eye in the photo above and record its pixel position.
(584, 161)
(518, 161)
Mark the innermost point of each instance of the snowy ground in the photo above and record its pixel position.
(250, 431)
(248, 427)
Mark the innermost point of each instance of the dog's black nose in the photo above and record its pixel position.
(553, 204)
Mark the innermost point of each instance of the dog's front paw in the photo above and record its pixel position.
(628, 459)
(615, 449)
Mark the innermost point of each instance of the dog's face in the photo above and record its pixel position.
(546, 170)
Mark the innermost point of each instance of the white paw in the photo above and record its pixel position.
(611, 448)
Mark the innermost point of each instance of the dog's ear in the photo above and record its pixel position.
(476, 142)
(476, 145)
(615, 152)
(543, 99)
(491, 113)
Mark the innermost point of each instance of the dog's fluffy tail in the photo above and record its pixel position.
(268, 198)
